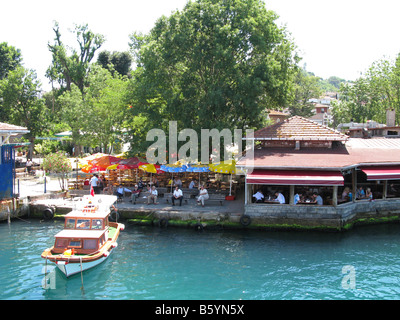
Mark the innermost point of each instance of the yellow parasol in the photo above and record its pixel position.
(226, 167)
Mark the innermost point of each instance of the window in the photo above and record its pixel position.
(83, 224)
(75, 243)
(97, 224)
(70, 224)
(90, 244)
(61, 243)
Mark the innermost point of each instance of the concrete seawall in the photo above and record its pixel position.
(324, 217)
(234, 215)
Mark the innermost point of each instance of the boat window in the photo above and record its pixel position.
(83, 224)
(97, 224)
(61, 243)
(90, 244)
(75, 244)
(70, 224)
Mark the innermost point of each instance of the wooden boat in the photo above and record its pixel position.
(88, 237)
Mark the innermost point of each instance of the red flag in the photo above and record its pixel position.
(91, 191)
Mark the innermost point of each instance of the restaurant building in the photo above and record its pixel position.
(302, 159)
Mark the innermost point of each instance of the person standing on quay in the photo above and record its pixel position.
(94, 183)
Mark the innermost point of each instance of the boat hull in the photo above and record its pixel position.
(71, 268)
(70, 265)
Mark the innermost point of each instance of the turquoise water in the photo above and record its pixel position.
(152, 263)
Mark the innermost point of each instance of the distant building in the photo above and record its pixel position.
(371, 128)
(277, 116)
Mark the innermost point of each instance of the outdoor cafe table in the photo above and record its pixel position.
(307, 203)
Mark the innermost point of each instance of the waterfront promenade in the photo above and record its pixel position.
(335, 218)
(33, 188)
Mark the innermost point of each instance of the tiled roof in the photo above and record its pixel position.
(299, 128)
(355, 152)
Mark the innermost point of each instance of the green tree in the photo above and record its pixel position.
(96, 115)
(20, 91)
(10, 59)
(355, 102)
(73, 68)
(371, 95)
(58, 164)
(116, 61)
(217, 64)
(306, 87)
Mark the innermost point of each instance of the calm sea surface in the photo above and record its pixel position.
(169, 264)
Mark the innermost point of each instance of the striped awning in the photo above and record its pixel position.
(382, 172)
(296, 177)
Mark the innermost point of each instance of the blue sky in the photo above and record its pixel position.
(335, 38)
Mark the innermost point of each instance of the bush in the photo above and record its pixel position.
(59, 164)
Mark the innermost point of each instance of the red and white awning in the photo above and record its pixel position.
(296, 177)
(382, 172)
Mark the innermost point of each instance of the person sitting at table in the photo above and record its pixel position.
(259, 196)
(155, 182)
(109, 189)
(153, 196)
(140, 184)
(178, 183)
(192, 184)
(360, 194)
(318, 199)
(297, 198)
(368, 194)
(203, 195)
(177, 195)
(135, 194)
(280, 197)
(120, 191)
(346, 194)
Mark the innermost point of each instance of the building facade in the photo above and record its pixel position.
(303, 161)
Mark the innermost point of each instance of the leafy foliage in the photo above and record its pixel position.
(59, 164)
(10, 59)
(116, 61)
(68, 69)
(370, 96)
(216, 64)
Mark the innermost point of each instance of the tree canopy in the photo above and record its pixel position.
(371, 95)
(73, 68)
(10, 59)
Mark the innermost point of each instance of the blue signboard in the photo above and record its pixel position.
(7, 171)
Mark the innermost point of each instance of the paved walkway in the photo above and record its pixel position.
(34, 186)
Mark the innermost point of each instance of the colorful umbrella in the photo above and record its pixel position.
(105, 162)
(91, 169)
(197, 168)
(148, 167)
(94, 156)
(173, 168)
(132, 163)
(227, 167)
(118, 166)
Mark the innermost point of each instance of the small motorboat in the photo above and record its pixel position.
(88, 237)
